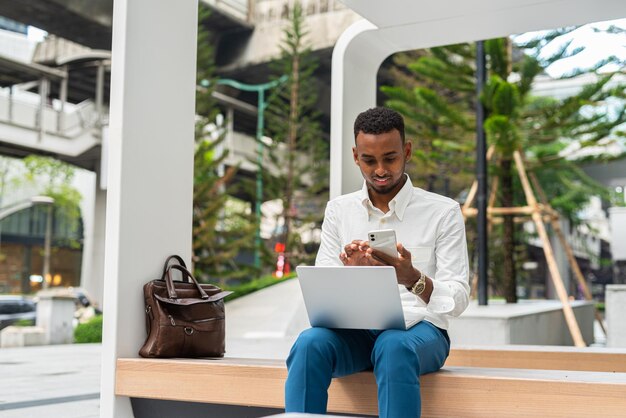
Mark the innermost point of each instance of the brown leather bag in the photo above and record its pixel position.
(183, 318)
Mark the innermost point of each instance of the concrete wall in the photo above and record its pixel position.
(263, 44)
(527, 322)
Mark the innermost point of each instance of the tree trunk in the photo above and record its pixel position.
(508, 243)
(291, 149)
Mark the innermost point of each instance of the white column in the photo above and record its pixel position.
(617, 220)
(63, 100)
(92, 277)
(150, 183)
(353, 90)
(561, 259)
(615, 311)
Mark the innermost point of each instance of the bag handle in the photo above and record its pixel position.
(171, 290)
(167, 262)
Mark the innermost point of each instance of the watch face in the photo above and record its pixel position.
(418, 287)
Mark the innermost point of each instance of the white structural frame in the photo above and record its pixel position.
(403, 25)
(150, 179)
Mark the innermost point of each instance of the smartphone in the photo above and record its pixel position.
(384, 240)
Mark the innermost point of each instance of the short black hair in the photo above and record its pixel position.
(378, 120)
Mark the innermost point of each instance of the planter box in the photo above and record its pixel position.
(533, 322)
(21, 336)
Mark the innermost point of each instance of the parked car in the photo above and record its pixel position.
(14, 308)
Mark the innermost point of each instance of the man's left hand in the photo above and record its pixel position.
(406, 273)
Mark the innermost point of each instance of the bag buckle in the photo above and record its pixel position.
(172, 320)
(188, 330)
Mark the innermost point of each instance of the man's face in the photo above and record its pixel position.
(382, 159)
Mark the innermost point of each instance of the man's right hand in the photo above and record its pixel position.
(355, 254)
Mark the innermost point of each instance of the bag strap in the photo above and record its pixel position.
(171, 290)
(167, 262)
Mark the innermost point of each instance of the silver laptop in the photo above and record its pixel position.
(353, 297)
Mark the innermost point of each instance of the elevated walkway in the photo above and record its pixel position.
(90, 23)
(23, 132)
(40, 123)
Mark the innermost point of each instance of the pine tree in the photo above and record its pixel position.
(434, 93)
(542, 128)
(223, 226)
(293, 124)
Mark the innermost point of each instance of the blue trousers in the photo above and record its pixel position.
(397, 357)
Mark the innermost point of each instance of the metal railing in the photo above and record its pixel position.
(260, 11)
(27, 114)
(273, 10)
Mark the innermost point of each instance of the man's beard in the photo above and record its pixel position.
(384, 189)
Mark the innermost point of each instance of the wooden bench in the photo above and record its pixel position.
(454, 391)
(540, 357)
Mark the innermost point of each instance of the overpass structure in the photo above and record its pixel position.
(58, 104)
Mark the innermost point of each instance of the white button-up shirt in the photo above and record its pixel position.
(429, 226)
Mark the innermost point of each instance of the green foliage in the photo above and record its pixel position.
(501, 97)
(255, 285)
(23, 323)
(223, 226)
(434, 90)
(89, 332)
(49, 172)
(498, 54)
(293, 124)
(53, 178)
(502, 132)
(205, 68)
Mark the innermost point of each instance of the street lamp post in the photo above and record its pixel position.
(260, 89)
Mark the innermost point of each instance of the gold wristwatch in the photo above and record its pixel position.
(419, 286)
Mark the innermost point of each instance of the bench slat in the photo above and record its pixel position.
(540, 357)
(454, 391)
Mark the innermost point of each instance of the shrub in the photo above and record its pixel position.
(254, 285)
(23, 323)
(89, 332)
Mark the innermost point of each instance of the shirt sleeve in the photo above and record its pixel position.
(330, 245)
(451, 282)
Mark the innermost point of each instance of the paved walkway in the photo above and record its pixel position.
(56, 381)
(265, 324)
(63, 381)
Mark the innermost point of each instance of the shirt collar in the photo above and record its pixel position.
(398, 204)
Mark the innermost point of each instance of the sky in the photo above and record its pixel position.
(598, 46)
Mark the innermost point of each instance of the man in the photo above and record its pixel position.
(432, 271)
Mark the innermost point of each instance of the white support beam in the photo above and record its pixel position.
(402, 25)
(150, 184)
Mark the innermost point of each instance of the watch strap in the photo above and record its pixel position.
(419, 286)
